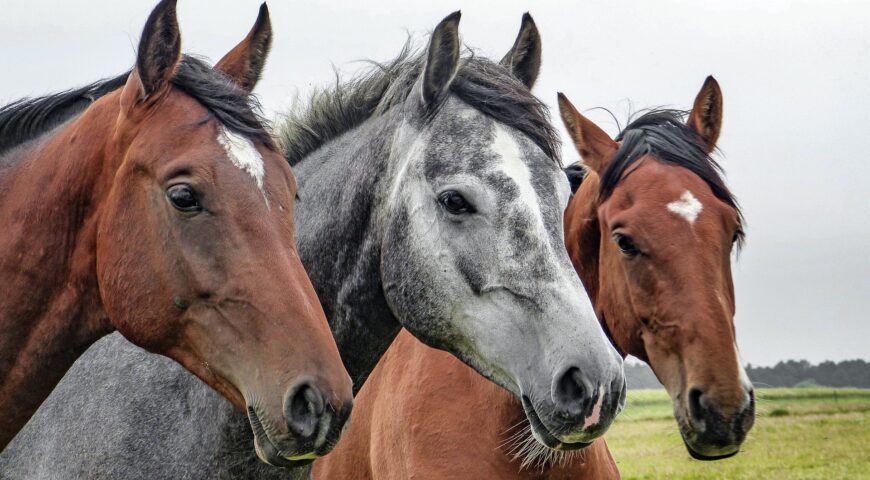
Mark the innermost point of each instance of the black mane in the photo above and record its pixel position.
(479, 82)
(575, 172)
(28, 118)
(664, 134)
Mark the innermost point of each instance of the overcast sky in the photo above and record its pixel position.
(795, 77)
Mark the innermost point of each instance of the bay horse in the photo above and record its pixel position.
(431, 198)
(650, 231)
(167, 217)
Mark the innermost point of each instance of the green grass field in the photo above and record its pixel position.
(812, 433)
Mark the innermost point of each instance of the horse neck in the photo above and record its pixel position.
(50, 310)
(342, 189)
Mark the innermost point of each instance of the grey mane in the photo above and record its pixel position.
(481, 83)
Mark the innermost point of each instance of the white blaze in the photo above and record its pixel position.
(514, 167)
(687, 207)
(244, 155)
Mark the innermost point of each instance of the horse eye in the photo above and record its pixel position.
(626, 245)
(183, 198)
(737, 236)
(455, 203)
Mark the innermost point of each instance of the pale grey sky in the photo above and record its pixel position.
(795, 77)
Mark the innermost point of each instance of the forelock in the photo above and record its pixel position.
(664, 134)
(233, 107)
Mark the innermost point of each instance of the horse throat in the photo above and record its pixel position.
(339, 233)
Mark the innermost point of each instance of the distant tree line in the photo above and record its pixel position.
(797, 373)
(790, 373)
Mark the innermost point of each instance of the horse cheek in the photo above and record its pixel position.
(127, 256)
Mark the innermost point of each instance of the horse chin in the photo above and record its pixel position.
(266, 450)
(712, 454)
(542, 433)
(699, 451)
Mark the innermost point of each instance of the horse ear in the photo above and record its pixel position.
(706, 116)
(594, 145)
(442, 60)
(244, 63)
(524, 58)
(159, 48)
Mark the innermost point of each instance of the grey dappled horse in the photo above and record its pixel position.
(431, 198)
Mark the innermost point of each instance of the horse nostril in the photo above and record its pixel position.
(571, 392)
(696, 409)
(303, 408)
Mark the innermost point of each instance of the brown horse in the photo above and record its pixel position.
(650, 231)
(164, 211)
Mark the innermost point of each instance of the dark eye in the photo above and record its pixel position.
(183, 198)
(455, 203)
(626, 245)
(737, 236)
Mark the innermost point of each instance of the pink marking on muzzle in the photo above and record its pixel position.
(595, 416)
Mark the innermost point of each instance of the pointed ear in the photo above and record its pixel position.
(706, 116)
(442, 60)
(159, 49)
(594, 145)
(244, 63)
(524, 59)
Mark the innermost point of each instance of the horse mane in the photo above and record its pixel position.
(29, 118)
(575, 172)
(664, 134)
(481, 83)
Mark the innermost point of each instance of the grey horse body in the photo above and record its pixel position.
(122, 412)
(382, 253)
